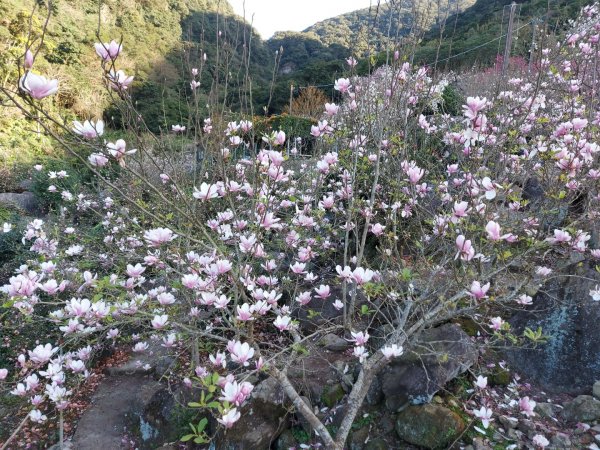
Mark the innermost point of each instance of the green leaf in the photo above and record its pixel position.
(194, 405)
(202, 425)
(187, 437)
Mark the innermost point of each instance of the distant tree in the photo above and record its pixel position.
(309, 103)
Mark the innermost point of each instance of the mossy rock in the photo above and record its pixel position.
(332, 394)
(500, 377)
(429, 426)
(377, 444)
(468, 325)
(286, 441)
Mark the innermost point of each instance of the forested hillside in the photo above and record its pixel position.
(477, 35)
(163, 40)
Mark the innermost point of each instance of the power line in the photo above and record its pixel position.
(534, 20)
(483, 45)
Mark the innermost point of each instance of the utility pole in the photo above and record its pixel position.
(291, 97)
(534, 26)
(509, 33)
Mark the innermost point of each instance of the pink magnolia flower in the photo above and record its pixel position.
(117, 151)
(342, 85)
(206, 191)
(89, 129)
(42, 353)
(352, 62)
(241, 353)
(481, 382)
(359, 338)
(362, 276)
(236, 393)
(493, 231)
(485, 414)
(159, 321)
(119, 80)
(230, 417)
(331, 109)
(3, 374)
(279, 138)
(415, 174)
(158, 236)
(28, 59)
(560, 236)
(540, 441)
(473, 106)
(244, 313)
(303, 298)
(524, 299)
(527, 406)
(98, 160)
(461, 209)
(38, 86)
(478, 291)
(543, 271)
(323, 291)
(466, 252)
(377, 229)
(177, 128)
(218, 360)
(298, 268)
(361, 353)
(496, 323)
(108, 51)
(392, 351)
(490, 188)
(283, 323)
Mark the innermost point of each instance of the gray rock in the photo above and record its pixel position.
(583, 408)
(429, 426)
(377, 444)
(570, 361)
(596, 390)
(312, 373)
(508, 422)
(560, 441)
(25, 201)
(264, 417)
(334, 343)
(358, 438)
(438, 356)
(480, 444)
(515, 435)
(374, 394)
(286, 441)
(527, 426)
(546, 410)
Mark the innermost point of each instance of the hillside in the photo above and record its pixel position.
(381, 25)
(483, 25)
(161, 40)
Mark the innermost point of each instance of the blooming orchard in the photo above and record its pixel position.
(403, 216)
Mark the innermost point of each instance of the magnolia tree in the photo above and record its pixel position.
(403, 216)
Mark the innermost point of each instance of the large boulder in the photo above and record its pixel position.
(429, 426)
(583, 408)
(264, 417)
(25, 201)
(570, 360)
(321, 372)
(438, 356)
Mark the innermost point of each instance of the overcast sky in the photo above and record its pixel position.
(295, 15)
